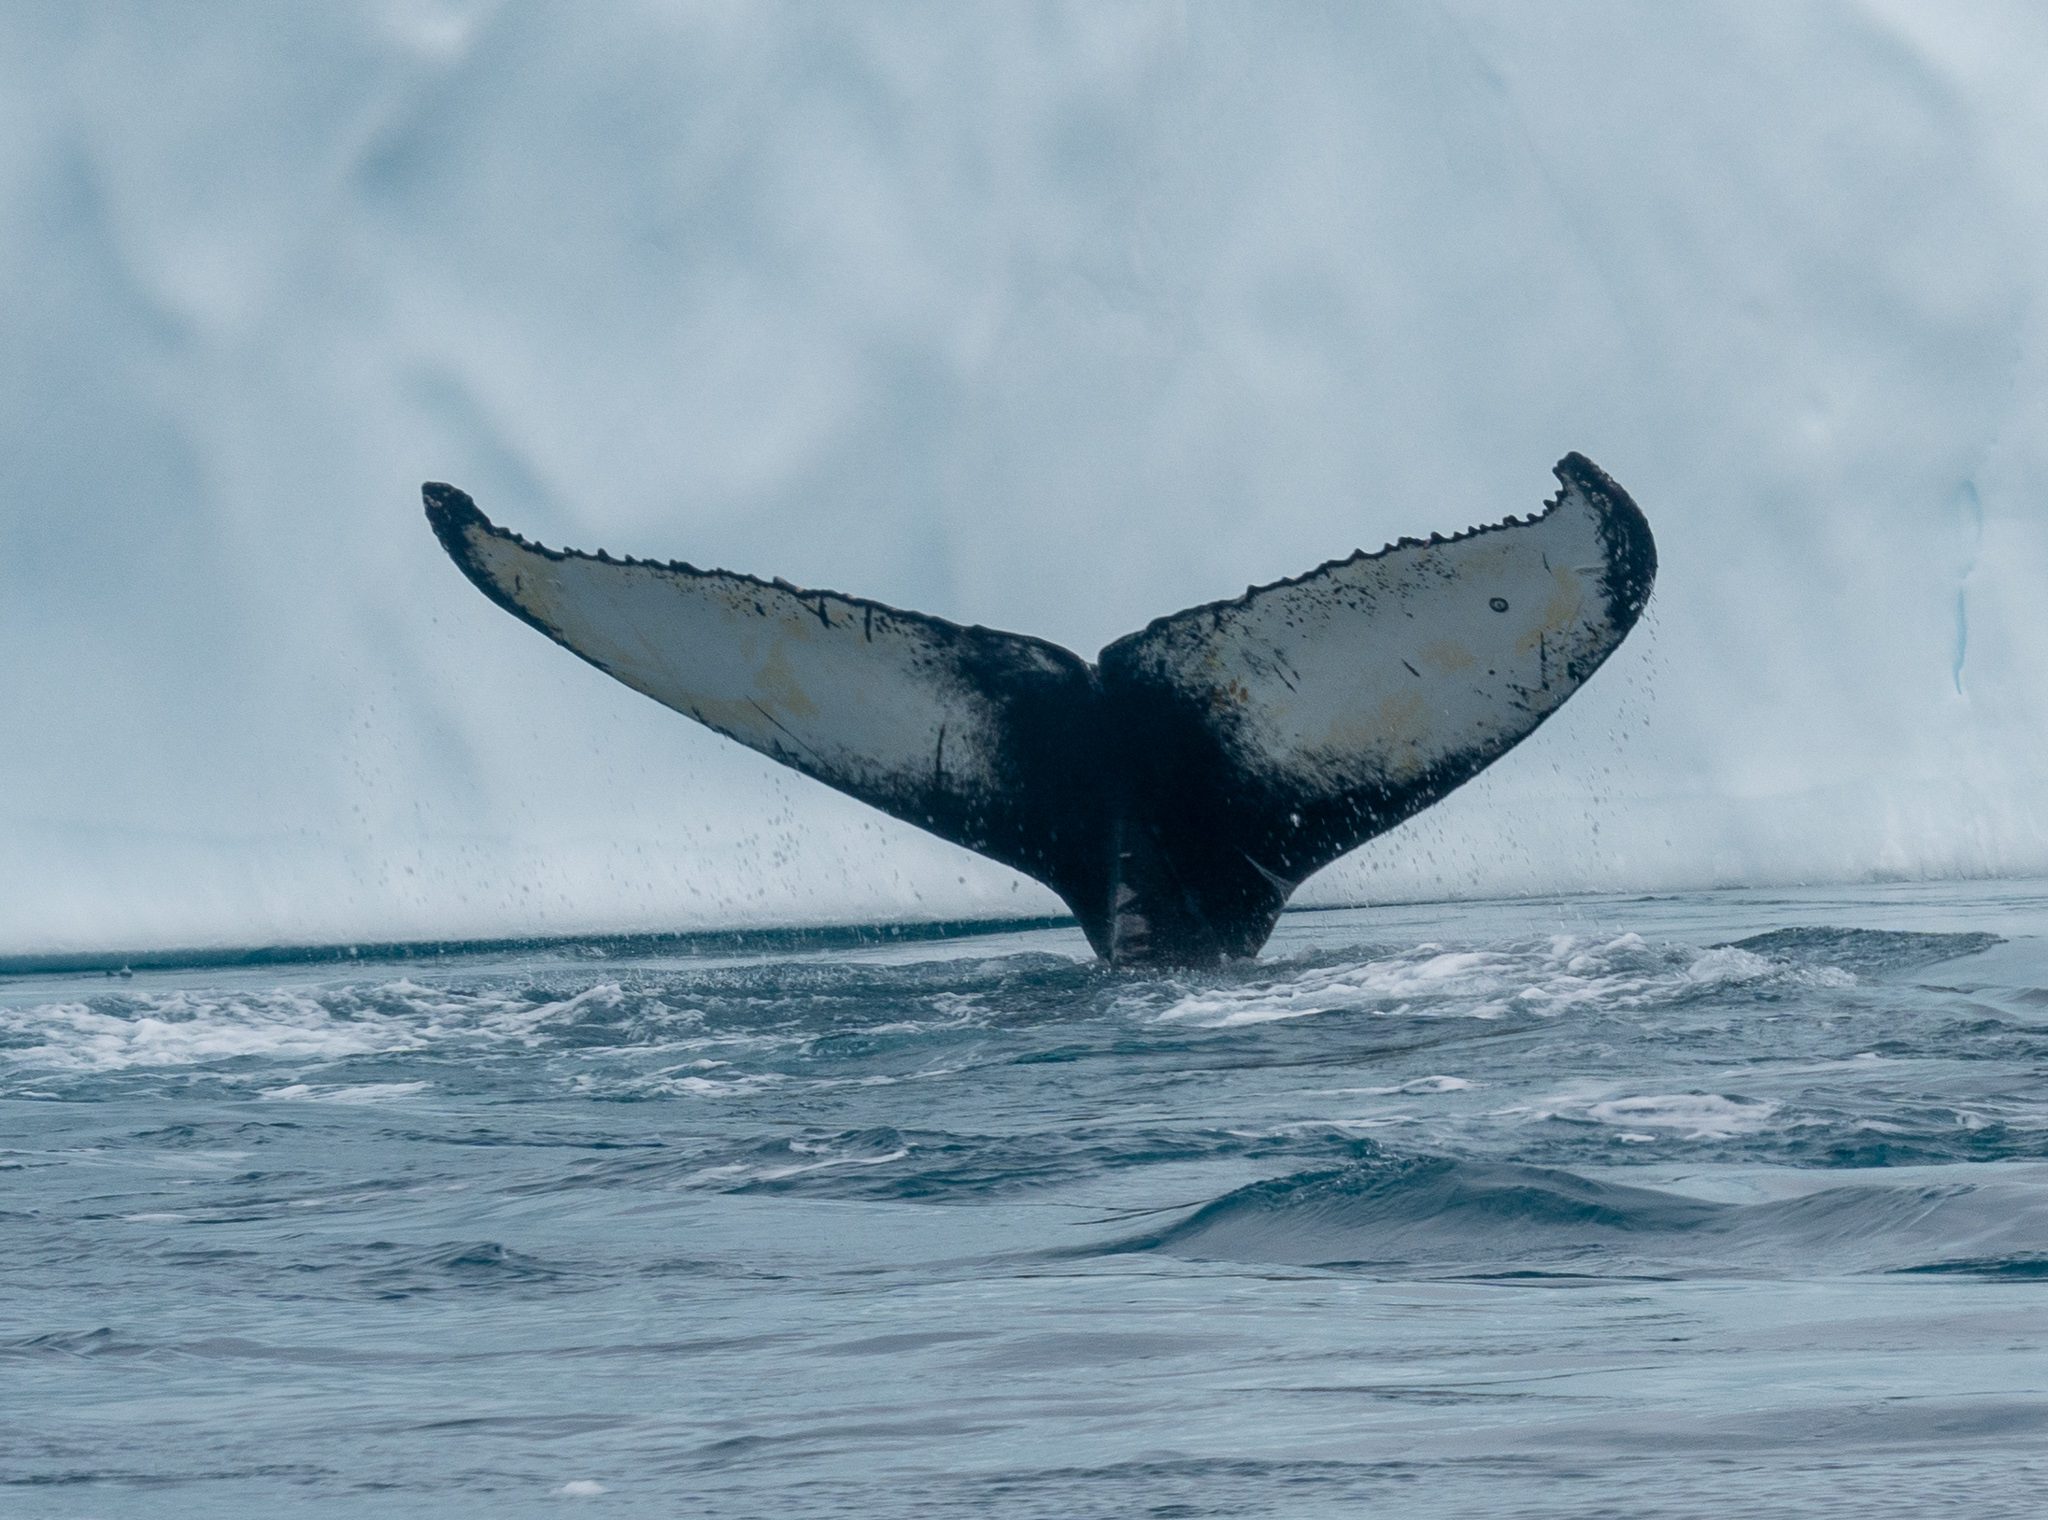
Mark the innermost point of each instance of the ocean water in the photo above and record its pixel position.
(1725, 1203)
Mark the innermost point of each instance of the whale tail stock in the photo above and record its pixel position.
(1175, 791)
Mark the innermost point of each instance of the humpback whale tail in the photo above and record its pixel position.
(1175, 791)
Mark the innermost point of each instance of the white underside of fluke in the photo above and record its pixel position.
(853, 691)
(1381, 669)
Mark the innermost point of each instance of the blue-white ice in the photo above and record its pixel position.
(1049, 318)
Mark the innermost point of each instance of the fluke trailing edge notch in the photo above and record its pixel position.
(1175, 791)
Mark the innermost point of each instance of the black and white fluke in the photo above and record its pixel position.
(1175, 791)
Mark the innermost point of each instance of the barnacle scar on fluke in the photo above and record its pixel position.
(1175, 791)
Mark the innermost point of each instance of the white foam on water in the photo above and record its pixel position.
(1685, 1116)
(186, 1029)
(1425, 1085)
(693, 1086)
(361, 1092)
(1545, 978)
(728, 1173)
(1400, 1089)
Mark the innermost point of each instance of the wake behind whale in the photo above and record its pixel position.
(1177, 789)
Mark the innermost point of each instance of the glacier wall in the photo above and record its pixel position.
(1048, 317)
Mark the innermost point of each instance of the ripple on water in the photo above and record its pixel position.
(743, 1234)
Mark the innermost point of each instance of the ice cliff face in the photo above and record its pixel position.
(1051, 319)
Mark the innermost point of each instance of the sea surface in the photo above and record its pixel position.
(1720, 1204)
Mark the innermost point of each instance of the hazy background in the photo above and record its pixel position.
(1048, 317)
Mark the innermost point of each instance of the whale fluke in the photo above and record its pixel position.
(1178, 789)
